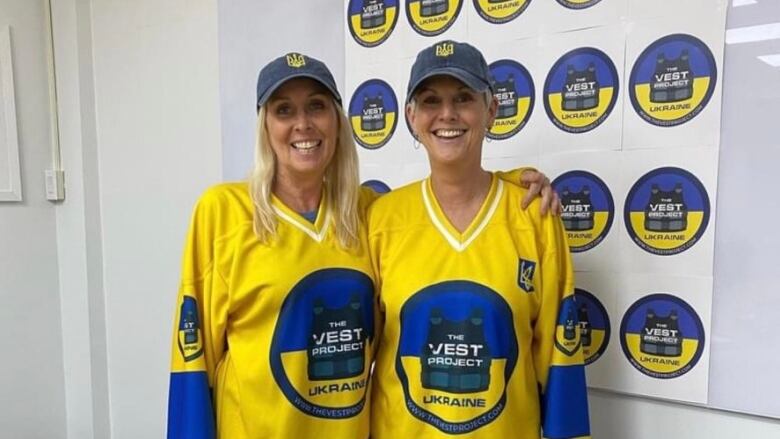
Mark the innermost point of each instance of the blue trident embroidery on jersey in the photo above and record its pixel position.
(525, 275)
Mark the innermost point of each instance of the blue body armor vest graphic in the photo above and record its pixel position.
(456, 357)
(506, 93)
(337, 345)
(429, 8)
(373, 14)
(672, 80)
(577, 209)
(581, 89)
(373, 117)
(666, 211)
(585, 328)
(570, 327)
(661, 335)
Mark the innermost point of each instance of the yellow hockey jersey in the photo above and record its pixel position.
(271, 340)
(480, 334)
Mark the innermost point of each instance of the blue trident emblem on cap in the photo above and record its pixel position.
(296, 60)
(445, 49)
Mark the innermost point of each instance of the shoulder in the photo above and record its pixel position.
(223, 207)
(396, 206)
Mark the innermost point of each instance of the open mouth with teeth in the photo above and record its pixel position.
(306, 145)
(448, 133)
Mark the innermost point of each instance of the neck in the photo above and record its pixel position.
(460, 194)
(299, 194)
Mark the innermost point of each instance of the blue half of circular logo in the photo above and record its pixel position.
(662, 336)
(500, 11)
(322, 343)
(373, 113)
(581, 90)
(377, 186)
(372, 21)
(577, 4)
(588, 209)
(594, 325)
(457, 348)
(672, 80)
(667, 211)
(432, 17)
(514, 91)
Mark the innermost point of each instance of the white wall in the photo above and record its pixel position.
(32, 403)
(157, 122)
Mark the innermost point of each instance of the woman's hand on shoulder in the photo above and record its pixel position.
(539, 185)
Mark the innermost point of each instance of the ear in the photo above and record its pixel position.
(410, 115)
(492, 112)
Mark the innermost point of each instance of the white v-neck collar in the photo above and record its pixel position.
(462, 242)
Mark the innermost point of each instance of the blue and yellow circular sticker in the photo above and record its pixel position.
(372, 21)
(373, 113)
(672, 80)
(588, 209)
(578, 4)
(662, 336)
(432, 17)
(500, 11)
(594, 325)
(377, 186)
(667, 211)
(514, 90)
(581, 90)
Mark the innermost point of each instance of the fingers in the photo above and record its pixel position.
(530, 177)
(530, 194)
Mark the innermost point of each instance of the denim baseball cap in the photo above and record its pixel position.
(290, 66)
(451, 58)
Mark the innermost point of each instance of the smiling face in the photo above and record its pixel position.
(450, 119)
(303, 125)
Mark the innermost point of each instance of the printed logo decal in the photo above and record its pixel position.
(594, 325)
(672, 80)
(567, 332)
(432, 17)
(320, 351)
(456, 354)
(190, 337)
(373, 113)
(377, 186)
(581, 90)
(667, 211)
(371, 21)
(296, 60)
(578, 4)
(525, 275)
(514, 91)
(588, 209)
(662, 336)
(500, 11)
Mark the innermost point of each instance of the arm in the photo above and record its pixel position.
(556, 348)
(198, 333)
(538, 185)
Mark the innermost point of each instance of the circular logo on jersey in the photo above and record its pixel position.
(672, 80)
(322, 343)
(373, 113)
(432, 17)
(456, 353)
(581, 90)
(594, 325)
(514, 90)
(667, 211)
(500, 11)
(588, 209)
(662, 336)
(377, 186)
(578, 4)
(372, 21)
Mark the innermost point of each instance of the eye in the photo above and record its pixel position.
(283, 109)
(463, 98)
(317, 105)
(430, 100)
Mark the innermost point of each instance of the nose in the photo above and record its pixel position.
(303, 121)
(448, 112)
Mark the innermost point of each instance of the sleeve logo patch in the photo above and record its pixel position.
(190, 338)
(568, 334)
(525, 275)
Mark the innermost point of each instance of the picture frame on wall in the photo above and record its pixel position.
(10, 172)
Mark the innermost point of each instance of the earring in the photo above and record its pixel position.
(488, 139)
(416, 142)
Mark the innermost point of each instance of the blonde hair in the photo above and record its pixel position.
(340, 181)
